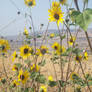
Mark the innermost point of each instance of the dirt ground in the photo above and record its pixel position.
(48, 69)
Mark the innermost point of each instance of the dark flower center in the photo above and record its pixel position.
(22, 77)
(25, 51)
(74, 76)
(43, 51)
(30, 3)
(56, 16)
(42, 90)
(77, 58)
(3, 47)
(71, 40)
(16, 68)
(16, 55)
(14, 85)
(55, 47)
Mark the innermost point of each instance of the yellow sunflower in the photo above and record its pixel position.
(43, 50)
(56, 46)
(85, 55)
(43, 89)
(61, 50)
(52, 35)
(25, 51)
(62, 1)
(78, 58)
(50, 78)
(55, 4)
(14, 56)
(35, 67)
(74, 76)
(15, 68)
(30, 2)
(4, 46)
(15, 83)
(56, 15)
(71, 40)
(25, 31)
(23, 76)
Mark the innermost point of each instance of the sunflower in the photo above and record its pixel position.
(25, 51)
(15, 83)
(34, 67)
(56, 15)
(15, 68)
(52, 35)
(43, 50)
(25, 32)
(85, 55)
(30, 2)
(72, 40)
(43, 89)
(62, 1)
(56, 46)
(61, 50)
(78, 58)
(23, 76)
(74, 76)
(55, 4)
(14, 56)
(50, 78)
(4, 46)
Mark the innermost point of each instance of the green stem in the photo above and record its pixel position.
(84, 76)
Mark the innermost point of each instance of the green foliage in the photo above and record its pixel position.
(76, 51)
(63, 37)
(41, 79)
(78, 89)
(27, 61)
(42, 63)
(52, 83)
(82, 19)
(3, 81)
(18, 65)
(62, 83)
(39, 36)
(34, 75)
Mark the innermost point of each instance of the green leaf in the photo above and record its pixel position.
(76, 51)
(41, 79)
(39, 36)
(52, 83)
(3, 81)
(27, 61)
(63, 37)
(77, 90)
(83, 19)
(18, 65)
(34, 75)
(42, 63)
(26, 90)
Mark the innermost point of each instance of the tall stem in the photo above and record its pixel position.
(85, 76)
(76, 4)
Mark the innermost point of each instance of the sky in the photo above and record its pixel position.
(12, 24)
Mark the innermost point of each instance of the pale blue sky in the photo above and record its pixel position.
(8, 14)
